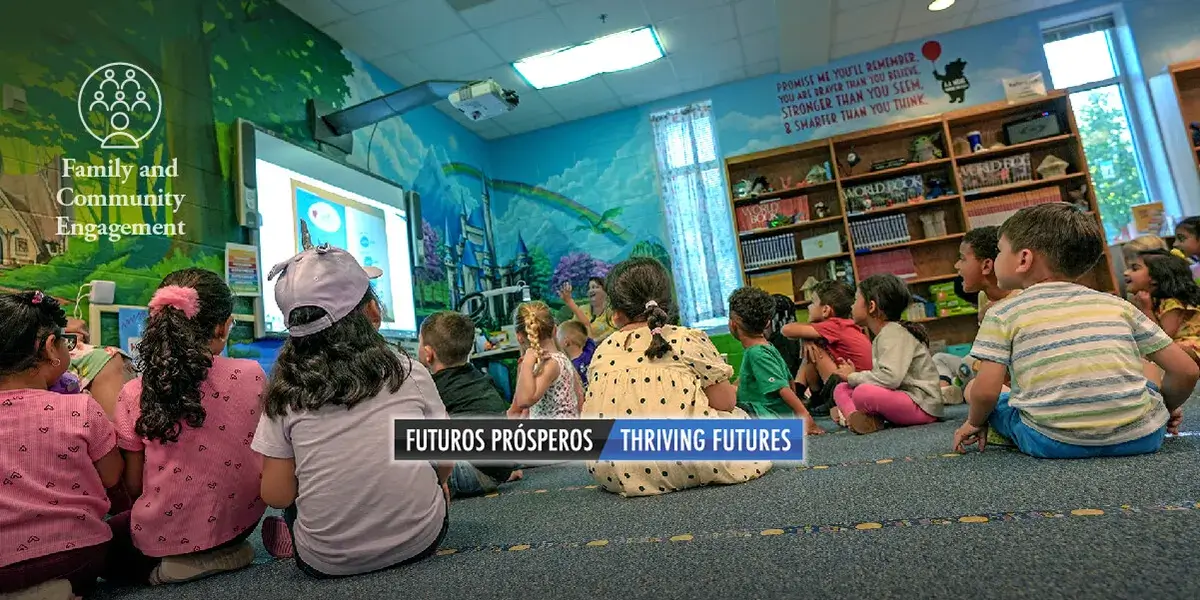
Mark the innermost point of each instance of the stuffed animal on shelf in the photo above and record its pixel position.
(1079, 197)
(760, 186)
(817, 174)
(820, 211)
(924, 148)
(1195, 134)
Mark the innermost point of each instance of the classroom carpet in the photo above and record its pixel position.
(895, 514)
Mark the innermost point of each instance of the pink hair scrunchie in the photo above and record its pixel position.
(183, 299)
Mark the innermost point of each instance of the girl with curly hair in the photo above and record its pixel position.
(185, 426)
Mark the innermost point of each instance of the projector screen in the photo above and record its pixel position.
(300, 191)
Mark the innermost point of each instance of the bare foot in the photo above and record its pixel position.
(836, 415)
(516, 476)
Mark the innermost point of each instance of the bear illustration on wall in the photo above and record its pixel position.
(954, 82)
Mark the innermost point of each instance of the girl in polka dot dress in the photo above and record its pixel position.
(649, 369)
(185, 427)
(548, 387)
(58, 455)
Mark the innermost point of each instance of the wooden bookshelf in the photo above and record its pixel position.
(907, 226)
(1186, 80)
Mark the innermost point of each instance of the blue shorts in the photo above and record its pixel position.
(1007, 422)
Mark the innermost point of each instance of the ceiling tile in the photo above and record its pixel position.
(402, 69)
(712, 78)
(518, 123)
(867, 21)
(527, 36)
(489, 130)
(559, 2)
(700, 28)
(501, 11)
(412, 24)
(754, 16)
(652, 95)
(318, 13)
(361, 6)
(591, 89)
(844, 5)
(639, 81)
(916, 12)
(866, 44)
(455, 57)
(994, 11)
(589, 108)
(702, 62)
(761, 46)
(931, 28)
(583, 23)
(766, 67)
(356, 34)
(531, 103)
(662, 10)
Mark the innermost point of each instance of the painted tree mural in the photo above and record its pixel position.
(577, 268)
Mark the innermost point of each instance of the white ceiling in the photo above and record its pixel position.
(708, 42)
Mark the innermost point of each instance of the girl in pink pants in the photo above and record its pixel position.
(902, 387)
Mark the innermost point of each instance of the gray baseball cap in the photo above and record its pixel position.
(324, 277)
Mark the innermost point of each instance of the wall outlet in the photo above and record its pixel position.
(14, 99)
(102, 292)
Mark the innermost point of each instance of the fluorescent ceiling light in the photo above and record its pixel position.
(937, 5)
(609, 54)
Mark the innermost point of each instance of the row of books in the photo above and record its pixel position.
(994, 211)
(768, 251)
(881, 231)
(897, 262)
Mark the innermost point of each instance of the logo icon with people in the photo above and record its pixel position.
(120, 104)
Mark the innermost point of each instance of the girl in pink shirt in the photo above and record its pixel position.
(58, 455)
(185, 427)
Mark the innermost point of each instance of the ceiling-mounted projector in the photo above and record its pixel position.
(478, 100)
(483, 100)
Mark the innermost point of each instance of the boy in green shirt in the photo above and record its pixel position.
(764, 383)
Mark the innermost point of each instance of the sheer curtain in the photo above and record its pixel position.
(700, 226)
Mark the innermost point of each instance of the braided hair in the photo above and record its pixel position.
(535, 321)
(640, 289)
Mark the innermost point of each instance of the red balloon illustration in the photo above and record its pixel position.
(931, 51)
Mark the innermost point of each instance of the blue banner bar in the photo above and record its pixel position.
(705, 440)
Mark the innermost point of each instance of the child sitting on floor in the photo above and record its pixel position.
(444, 343)
(976, 266)
(649, 368)
(830, 337)
(59, 454)
(1163, 289)
(902, 387)
(1080, 389)
(184, 428)
(575, 343)
(547, 384)
(327, 425)
(764, 384)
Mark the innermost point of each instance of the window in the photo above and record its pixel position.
(699, 224)
(1084, 60)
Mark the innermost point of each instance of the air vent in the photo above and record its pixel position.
(461, 5)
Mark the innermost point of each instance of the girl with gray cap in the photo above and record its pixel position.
(326, 430)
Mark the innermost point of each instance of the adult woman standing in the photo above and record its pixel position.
(597, 316)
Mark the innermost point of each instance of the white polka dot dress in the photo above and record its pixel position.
(625, 383)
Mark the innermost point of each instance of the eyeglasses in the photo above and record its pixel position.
(71, 339)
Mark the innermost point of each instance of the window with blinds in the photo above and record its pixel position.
(699, 224)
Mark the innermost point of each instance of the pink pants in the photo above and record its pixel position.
(893, 405)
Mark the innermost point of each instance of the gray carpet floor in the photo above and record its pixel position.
(890, 515)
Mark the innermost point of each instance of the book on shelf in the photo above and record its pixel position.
(896, 262)
(820, 246)
(880, 231)
(768, 251)
(994, 211)
(760, 215)
(996, 172)
(775, 282)
(878, 194)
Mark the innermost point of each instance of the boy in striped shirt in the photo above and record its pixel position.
(1079, 387)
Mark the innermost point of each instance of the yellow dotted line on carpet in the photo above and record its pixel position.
(1124, 510)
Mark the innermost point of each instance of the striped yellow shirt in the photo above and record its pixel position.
(1075, 357)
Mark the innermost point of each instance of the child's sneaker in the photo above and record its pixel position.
(277, 539)
(58, 589)
(995, 439)
(178, 569)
